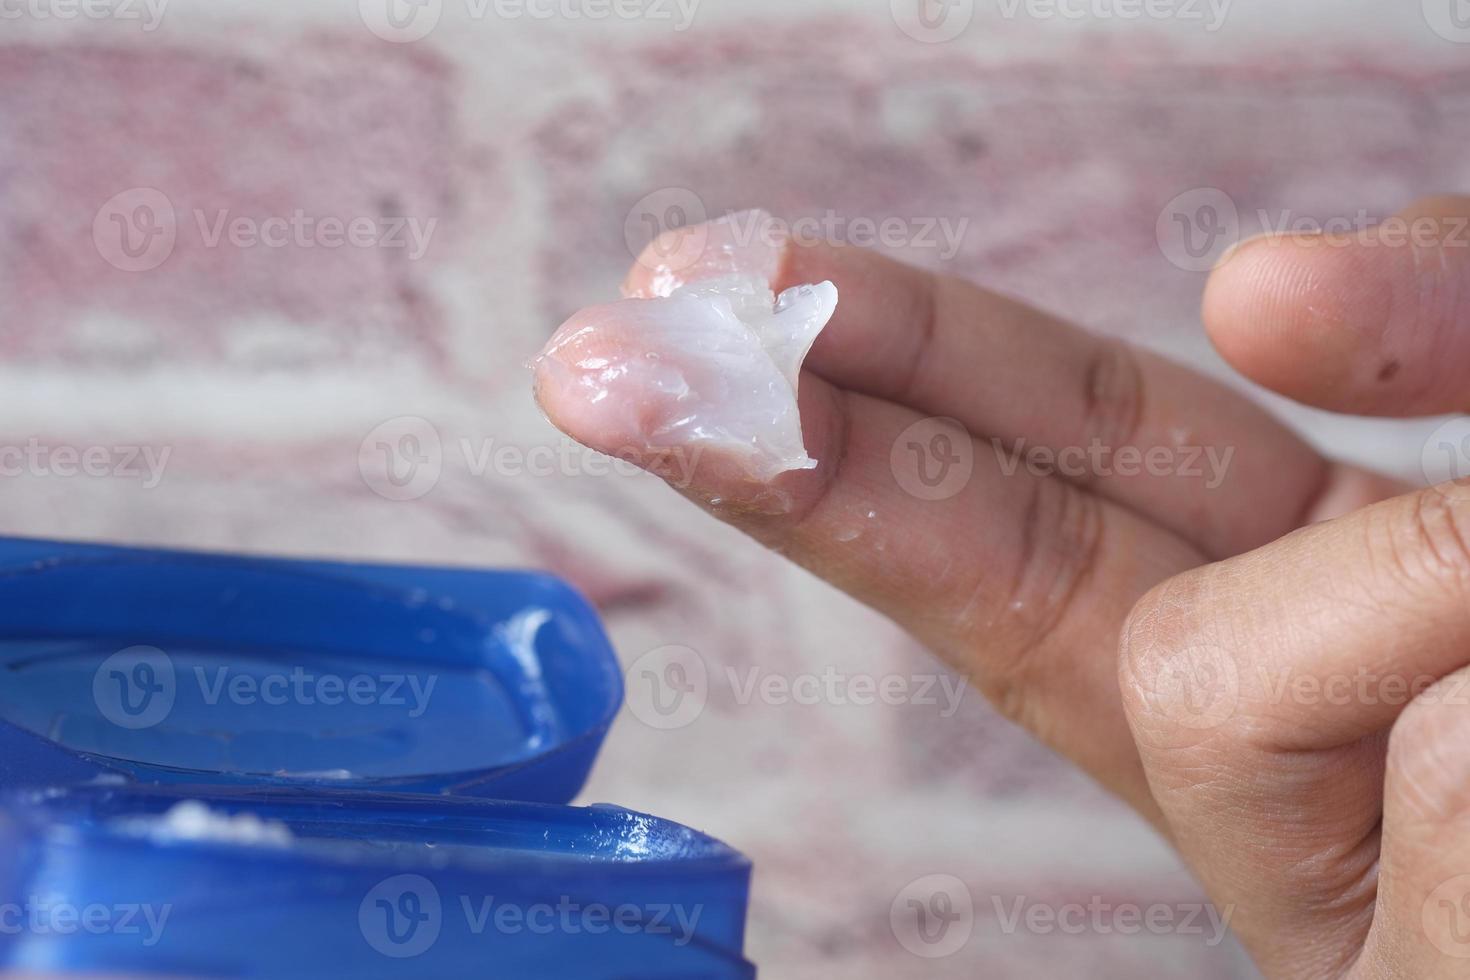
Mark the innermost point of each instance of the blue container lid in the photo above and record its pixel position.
(243, 882)
(223, 766)
(170, 667)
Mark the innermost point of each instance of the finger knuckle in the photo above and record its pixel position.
(1425, 539)
(1112, 395)
(1062, 530)
(1151, 635)
(1177, 681)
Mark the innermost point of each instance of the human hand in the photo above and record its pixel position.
(1020, 579)
(1322, 787)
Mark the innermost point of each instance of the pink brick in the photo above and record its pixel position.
(332, 128)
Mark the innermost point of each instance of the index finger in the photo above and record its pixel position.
(1163, 440)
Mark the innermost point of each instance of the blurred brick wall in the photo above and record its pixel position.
(171, 197)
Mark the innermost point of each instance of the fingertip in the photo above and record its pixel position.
(1369, 320)
(1303, 315)
(683, 382)
(749, 243)
(580, 382)
(565, 376)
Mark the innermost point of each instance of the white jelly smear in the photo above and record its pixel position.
(715, 367)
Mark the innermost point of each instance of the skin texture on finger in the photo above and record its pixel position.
(1179, 448)
(1021, 582)
(1261, 691)
(1421, 926)
(1375, 322)
(1360, 604)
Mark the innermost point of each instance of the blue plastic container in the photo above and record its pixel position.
(356, 885)
(281, 768)
(174, 667)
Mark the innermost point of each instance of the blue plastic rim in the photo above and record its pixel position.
(169, 667)
(252, 883)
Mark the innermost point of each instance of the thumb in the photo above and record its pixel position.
(1374, 321)
(1261, 691)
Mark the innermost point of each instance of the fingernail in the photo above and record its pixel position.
(746, 243)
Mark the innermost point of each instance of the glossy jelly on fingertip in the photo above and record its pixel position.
(744, 243)
(707, 359)
(712, 368)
